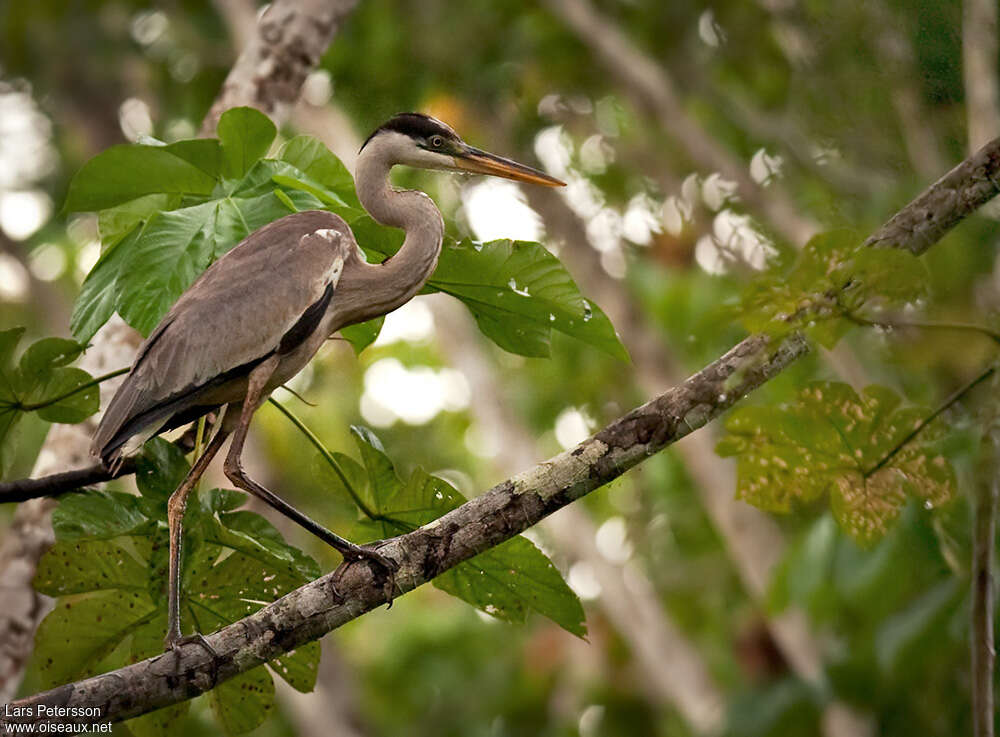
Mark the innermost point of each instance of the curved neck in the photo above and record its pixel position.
(398, 279)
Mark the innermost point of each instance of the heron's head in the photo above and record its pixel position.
(414, 139)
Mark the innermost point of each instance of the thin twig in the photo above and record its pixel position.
(923, 325)
(981, 642)
(327, 456)
(66, 395)
(929, 419)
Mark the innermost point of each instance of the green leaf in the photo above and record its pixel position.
(98, 515)
(363, 334)
(507, 581)
(312, 158)
(243, 702)
(81, 566)
(164, 722)
(160, 469)
(832, 278)
(512, 579)
(40, 382)
(77, 636)
(49, 353)
(96, 302)
(299, 667)
(171, 252)
(9, 380)
(828, 441)
(108, 568)
(517, 291)
(123, 173)
(246, 134)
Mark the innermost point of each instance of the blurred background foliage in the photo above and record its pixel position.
(842, 111)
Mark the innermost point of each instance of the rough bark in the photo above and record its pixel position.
(291, 37)
(497, 515)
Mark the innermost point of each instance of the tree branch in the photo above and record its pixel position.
(291, 37)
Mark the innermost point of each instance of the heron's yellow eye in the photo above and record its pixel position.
(437, 141)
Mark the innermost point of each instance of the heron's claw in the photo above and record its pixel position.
(174, 644)
(367, 552)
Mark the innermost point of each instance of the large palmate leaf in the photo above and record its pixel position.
(832, 441)
(108, 570)
(831, 280)
(41, 382)
(507, 581)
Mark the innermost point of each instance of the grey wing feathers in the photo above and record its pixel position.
(234, 315)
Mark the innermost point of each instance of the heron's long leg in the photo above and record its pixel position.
(175, 520)
(234, 471)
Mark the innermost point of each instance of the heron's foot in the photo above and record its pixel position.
(369, 552)
(174, 642)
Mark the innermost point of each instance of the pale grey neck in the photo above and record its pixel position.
(396, 281)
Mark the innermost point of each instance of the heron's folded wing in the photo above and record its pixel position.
(239, 311)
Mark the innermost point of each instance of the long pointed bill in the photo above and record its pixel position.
(481, 162)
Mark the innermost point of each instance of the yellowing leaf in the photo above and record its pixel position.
(832, 441)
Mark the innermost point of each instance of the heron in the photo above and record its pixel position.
(258, 314)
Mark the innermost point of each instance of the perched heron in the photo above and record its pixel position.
(257, 316)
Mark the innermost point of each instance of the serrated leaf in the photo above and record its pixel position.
(244, 701)
(125, 172)
(830, 441)
(245, 134)
(832, 278)
(363, 334)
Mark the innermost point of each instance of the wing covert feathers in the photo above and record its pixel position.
(279, 280)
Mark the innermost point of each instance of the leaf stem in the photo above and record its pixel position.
(929, 325)
(929, 419)
(327, 456)
(31, 407)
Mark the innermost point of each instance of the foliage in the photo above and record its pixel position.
(829, 282)
(506, 581)
(41, 382)
(831, 441)
(108, 570)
